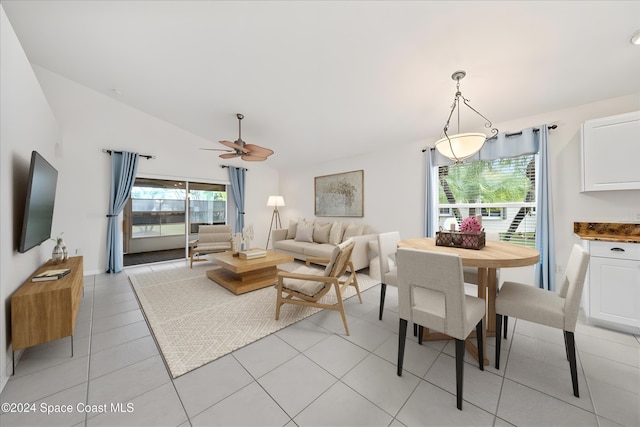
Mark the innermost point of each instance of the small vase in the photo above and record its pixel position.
(65, 252)
(57, 255)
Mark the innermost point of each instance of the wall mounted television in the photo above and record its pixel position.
(38, 209)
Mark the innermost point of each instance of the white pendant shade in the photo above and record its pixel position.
(461, 146)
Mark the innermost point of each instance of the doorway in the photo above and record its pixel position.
(162, 216)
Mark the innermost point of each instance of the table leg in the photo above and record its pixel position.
(491, 302)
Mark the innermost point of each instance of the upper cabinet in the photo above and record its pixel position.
(611, 153)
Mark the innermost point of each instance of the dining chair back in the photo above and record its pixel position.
(555, 309)
(387, 248)
(431, 294)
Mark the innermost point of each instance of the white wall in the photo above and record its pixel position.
(27, 124)
(394, 181)
(92, 121)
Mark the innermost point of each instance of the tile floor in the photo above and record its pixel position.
(312, 374)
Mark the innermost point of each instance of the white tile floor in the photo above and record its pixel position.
(312, 374)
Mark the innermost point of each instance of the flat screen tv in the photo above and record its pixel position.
(38, 209)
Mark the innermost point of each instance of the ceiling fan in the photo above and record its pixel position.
(238, 148)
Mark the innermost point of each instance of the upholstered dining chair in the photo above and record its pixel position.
(211, 238)
(387, 247)
(306, 286)
(556, 309)
(431, 294)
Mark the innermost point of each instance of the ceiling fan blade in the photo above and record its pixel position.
(253, 158)
(258, 151)
(229, 155)
(217, 149)
(234, 146)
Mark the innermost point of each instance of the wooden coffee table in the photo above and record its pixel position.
(245, 275)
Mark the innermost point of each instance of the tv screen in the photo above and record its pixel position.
(38, 210)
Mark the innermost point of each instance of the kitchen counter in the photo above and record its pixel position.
(608, 231)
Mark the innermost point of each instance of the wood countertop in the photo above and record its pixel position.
(608, 231)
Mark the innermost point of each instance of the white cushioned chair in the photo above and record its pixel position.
(306, 286)
(556, 309)
(431, 294)
(387, 247)
(211, 238)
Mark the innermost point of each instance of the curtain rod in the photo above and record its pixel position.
(146, 156)
(506, 134)
(225, 166)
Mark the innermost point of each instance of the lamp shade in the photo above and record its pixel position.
(275, 201)
(461, 146)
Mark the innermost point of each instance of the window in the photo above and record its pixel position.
(503, 191)
(157, 208)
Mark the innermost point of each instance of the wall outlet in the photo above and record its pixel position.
(78, 251)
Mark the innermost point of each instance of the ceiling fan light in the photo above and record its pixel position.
(461, 146)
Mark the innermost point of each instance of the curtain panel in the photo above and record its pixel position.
(123, 173)
(237, 176)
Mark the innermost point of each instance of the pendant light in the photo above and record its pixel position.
(461, 146)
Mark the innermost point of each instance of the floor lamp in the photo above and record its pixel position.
(274, 201)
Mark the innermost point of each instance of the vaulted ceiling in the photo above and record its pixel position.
(334, 78)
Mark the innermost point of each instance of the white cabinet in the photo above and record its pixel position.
(614, 285)
(610, 152)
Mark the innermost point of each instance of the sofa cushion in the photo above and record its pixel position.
(335, 234)
(304, 233)
(321, 232)
(352, 230)
(290, 245)
(320, 250)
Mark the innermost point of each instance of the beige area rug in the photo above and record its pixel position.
(196, 321)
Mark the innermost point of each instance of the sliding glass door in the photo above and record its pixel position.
(162, 216)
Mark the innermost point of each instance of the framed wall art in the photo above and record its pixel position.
(340, 194)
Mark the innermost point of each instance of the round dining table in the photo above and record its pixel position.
(487, 260)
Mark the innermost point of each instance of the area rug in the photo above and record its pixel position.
(196, 321)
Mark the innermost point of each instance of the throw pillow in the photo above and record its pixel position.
(335, 235)
(321, 232)
(293, 226)
(352, 231)
(291, 232)
(304, 234)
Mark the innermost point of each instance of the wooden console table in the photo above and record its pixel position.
(46, 311)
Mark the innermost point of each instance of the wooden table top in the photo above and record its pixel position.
(495, 254)
(240, 265)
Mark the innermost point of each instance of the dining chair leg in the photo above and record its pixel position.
(402, 339)
(415, 329)
(566, 345)
(420, 334)
(480, 340)
(506, 322)
(572, 361)
(459, 371)
(498, 339)
(383, 292)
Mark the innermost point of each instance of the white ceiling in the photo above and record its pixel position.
(341, 77)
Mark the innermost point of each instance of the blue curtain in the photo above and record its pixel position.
(529, 141)
(123, 174)
(431, 195)
(237, 177)
(545, 270)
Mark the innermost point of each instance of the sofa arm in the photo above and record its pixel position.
(360, 254)
(279, 234)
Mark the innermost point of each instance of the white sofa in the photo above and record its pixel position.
(295, 241)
